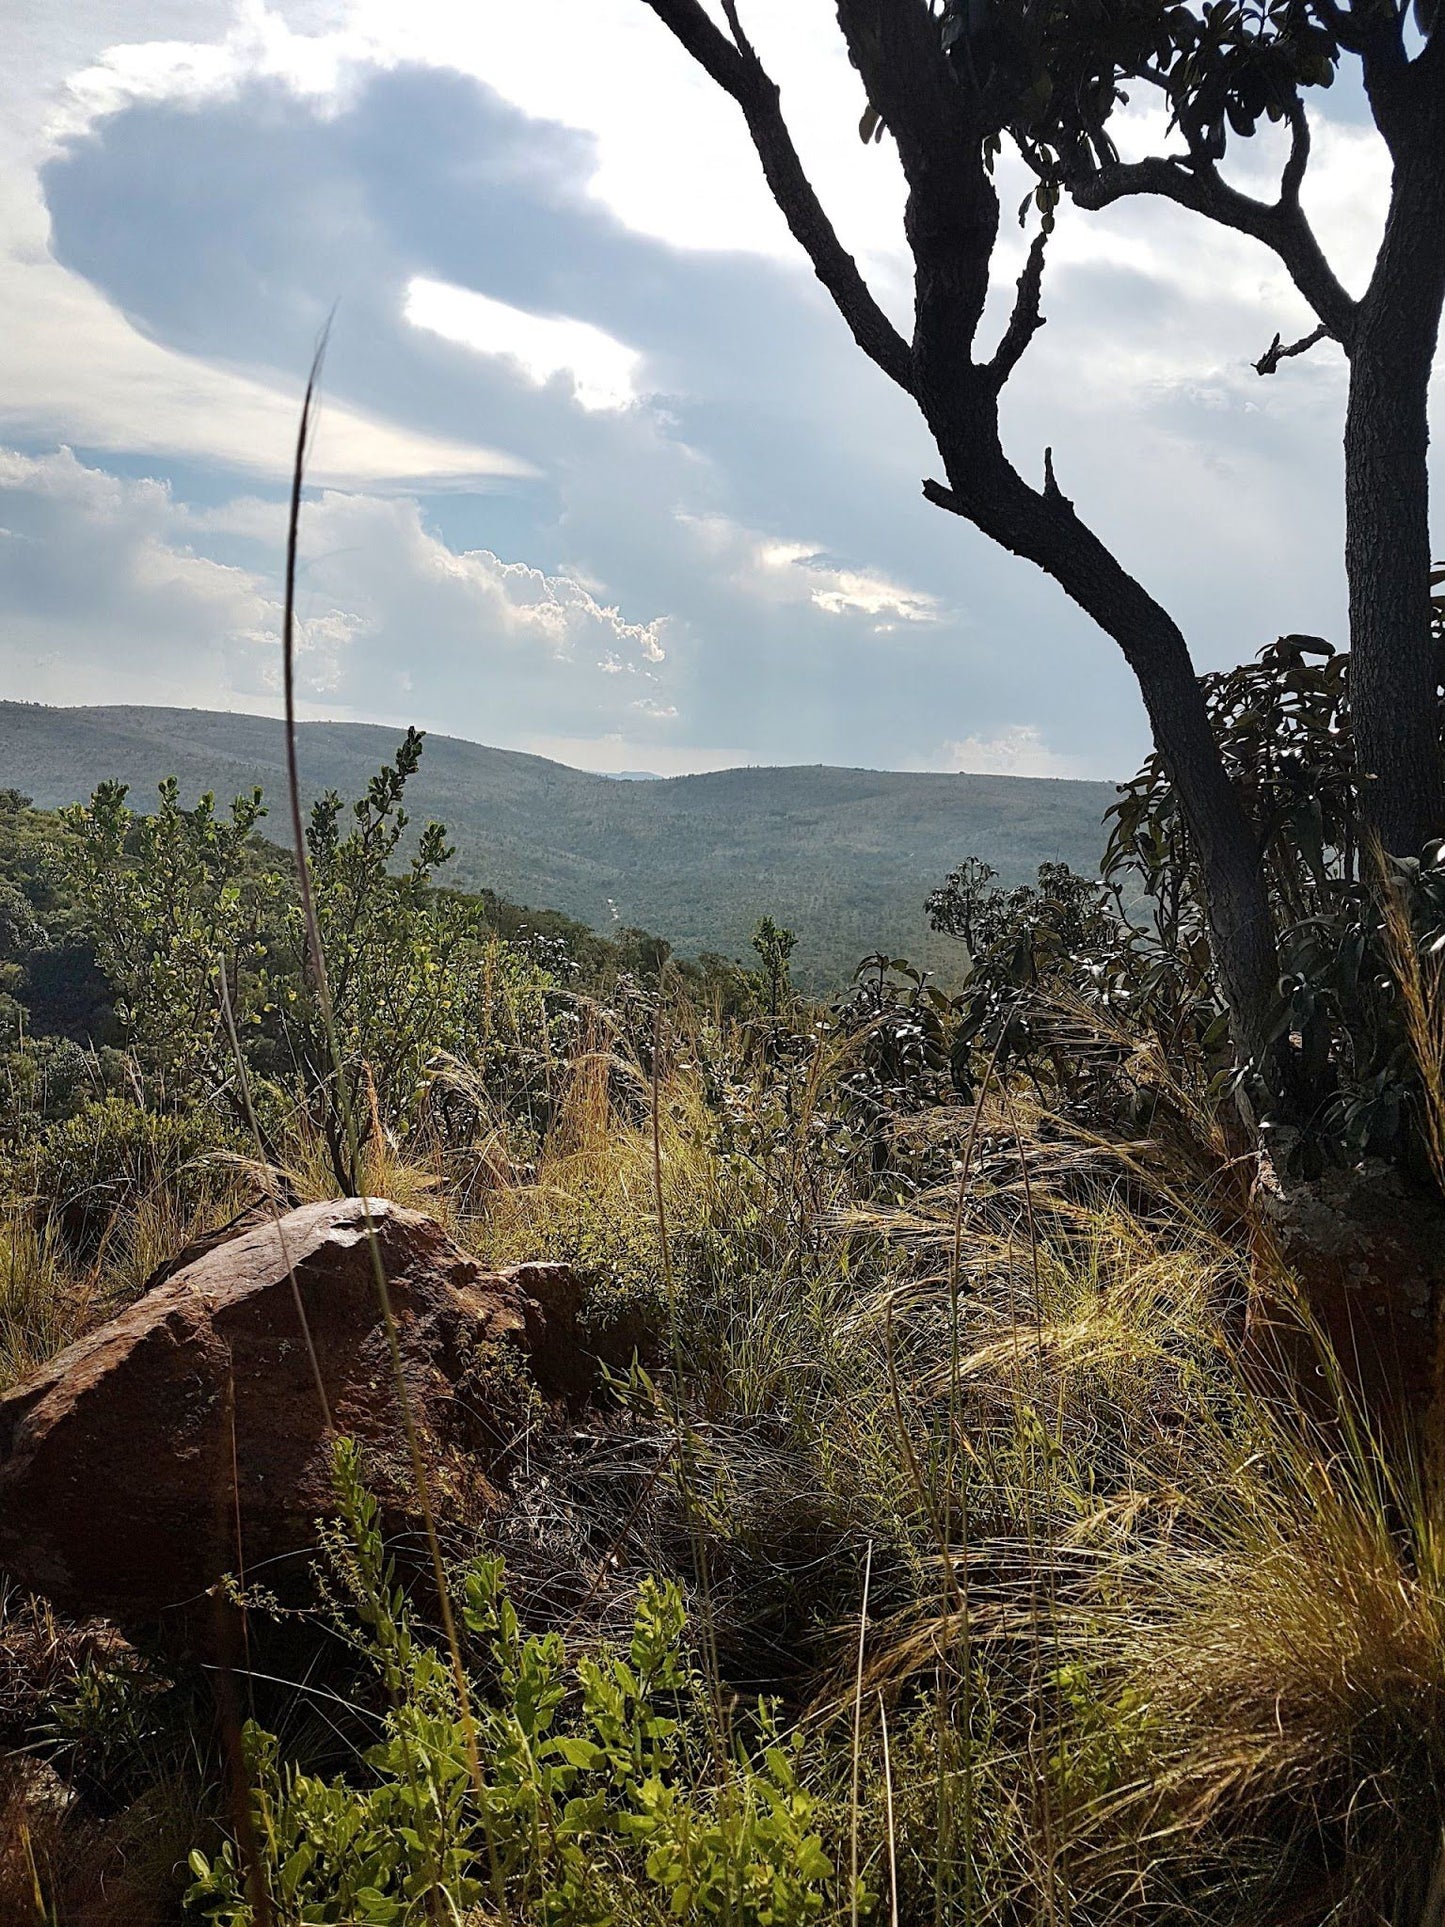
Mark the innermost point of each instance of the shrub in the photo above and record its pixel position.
(98, 1166)
(580, 1788)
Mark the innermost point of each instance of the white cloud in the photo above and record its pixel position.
(1016, 751)
(144, 612)
(75, 368)
(602, 370)
(674, 160)
(606, 67)
(499, 636)
(157, 614)
(255, 42)
(785, 571)
(94, 379)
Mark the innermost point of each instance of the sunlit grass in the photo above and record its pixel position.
(1145, 1640)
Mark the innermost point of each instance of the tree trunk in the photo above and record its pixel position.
(1241, 926)
(1387, 526)
(1367, 1253)
(1046, 529)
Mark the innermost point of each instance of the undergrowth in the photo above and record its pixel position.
(955, 1566)
(953, 1551)
(586, 1788)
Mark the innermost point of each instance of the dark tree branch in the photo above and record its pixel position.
(1044, 527)
(1052, 491)
(720, 58)
(951, 220)
(1293, 177)
(739, 72)
(1395, 85)
(1341, 23)
(735, 28)
(1268, 363)
(1027, 318)
(1281, 226)
(952, 223)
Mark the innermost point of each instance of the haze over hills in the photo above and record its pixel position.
(845, 857)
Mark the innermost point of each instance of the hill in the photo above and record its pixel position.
(846, 857)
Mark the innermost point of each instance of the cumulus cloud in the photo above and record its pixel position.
(393, 621)
(840, 591)
(780, 570)
(379, 555)
(1017, 751)
(101, 594)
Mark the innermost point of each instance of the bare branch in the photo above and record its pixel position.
(944, 498)
(1268, 363)
(1281, 226)
(735, 28)
(709, 46)
(1293, 178)
(738, 71)
(1027, 317)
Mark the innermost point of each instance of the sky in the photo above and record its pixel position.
(600, 474)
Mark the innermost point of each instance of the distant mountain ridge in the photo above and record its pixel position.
(845, 857)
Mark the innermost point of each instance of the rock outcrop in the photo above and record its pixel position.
(188, 1439)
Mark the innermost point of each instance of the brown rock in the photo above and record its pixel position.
(186, 1438)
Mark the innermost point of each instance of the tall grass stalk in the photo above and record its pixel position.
(317, 956)
(858, 1739)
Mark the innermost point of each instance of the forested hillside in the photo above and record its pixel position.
(845, 857)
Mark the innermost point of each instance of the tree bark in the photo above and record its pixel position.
(1387, 523)
(951, 221)
(1045, 529)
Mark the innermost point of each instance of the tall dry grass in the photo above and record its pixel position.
(1147, 1641)
(1083, 1619)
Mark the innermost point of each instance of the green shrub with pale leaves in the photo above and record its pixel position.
(583, 1788)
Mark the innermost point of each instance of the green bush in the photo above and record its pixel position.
(89, 1169)
(584, 1789)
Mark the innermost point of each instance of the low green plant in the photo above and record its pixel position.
(583, 1788)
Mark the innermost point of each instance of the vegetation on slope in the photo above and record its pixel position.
(960, 1557)
(850, 853)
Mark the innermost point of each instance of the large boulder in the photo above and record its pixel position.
(187, 1438)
